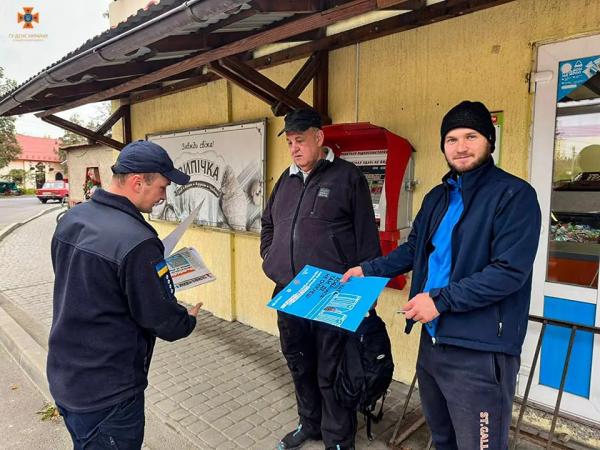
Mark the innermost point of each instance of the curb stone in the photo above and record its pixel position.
(13, 226)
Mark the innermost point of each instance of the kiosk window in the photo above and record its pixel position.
(574, 238)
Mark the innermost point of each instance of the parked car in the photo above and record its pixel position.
(9, 188)
(53, 190)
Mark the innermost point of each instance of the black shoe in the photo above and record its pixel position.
(339, 447)
(296, 439)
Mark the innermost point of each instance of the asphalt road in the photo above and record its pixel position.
(22, 428)
(16, 209)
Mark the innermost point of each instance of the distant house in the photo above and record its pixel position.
(39, 159)
(89, 168)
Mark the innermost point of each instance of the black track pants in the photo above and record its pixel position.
(466, 395)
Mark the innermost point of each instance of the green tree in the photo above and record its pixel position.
(9, 148)
(103, 110)
(101, 114)
(18, 176)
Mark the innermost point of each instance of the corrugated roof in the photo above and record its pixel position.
(142, 15)
(44, 89)
(167, 46)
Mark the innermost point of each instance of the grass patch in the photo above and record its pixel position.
(48, 412)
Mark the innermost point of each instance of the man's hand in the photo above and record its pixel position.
(421, 308)
(354, 272)
(194, 310)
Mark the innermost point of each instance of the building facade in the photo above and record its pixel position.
(534, 63)
(38, 161)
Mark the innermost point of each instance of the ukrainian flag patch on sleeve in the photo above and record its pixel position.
(162, 270)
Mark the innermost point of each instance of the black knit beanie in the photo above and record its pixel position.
(472, 115)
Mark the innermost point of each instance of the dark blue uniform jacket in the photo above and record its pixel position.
(486, 303)
(113, 296)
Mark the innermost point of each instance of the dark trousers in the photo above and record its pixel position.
(312, 351)
(116, 427)
(466, 395)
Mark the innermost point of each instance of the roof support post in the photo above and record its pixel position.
(126, 123)
(321, 87)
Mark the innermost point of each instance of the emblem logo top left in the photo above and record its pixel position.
(28, 17)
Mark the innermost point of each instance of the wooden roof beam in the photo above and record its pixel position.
(297, 85)
(112, 119)
(179, 18)
(256, 83)
(85, 132)
(401, 4)
(308, 36)
(430, 14)
(27, 107)
(317, 20)
(242, 82)
(288, 6)
(206, 41)
(434, 13)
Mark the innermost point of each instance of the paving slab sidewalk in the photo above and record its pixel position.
(226, 386)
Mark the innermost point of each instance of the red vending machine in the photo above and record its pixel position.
(386, 160)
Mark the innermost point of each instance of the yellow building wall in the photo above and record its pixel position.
(252, 294)
(408, 81)
(120, 10)
(404, 82)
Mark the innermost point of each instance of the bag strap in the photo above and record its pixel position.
(370, 418)
(379, 415)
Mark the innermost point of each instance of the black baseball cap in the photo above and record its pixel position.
(148, 157)
(301, 120)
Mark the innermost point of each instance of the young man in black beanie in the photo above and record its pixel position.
(471, 250)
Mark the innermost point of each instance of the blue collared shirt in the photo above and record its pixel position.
(440, 260)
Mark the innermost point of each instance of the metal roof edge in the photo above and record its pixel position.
(189, 12)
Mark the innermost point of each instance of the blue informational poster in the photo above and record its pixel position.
(317, 294)
(575, 72)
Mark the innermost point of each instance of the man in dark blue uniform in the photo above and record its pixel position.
(471, 251)
(113, 296)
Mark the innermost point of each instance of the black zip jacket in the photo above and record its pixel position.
(112, 298)
(486, 304)
(327, 221)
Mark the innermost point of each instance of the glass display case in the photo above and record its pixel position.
(574, 234)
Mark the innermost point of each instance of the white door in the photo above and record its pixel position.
(565, 171)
